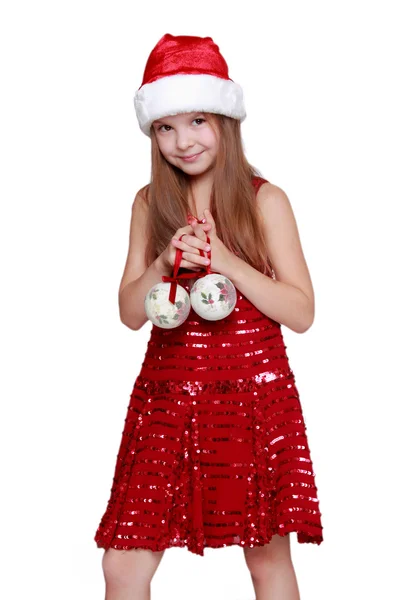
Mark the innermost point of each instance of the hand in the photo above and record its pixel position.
(221, 256)
(190, 245)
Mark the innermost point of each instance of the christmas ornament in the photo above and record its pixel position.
(186, 73)
(167, 305)
(161, 311)
(213, 297)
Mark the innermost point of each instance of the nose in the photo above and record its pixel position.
(183, 140)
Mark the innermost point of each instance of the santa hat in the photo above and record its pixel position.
(186, 74)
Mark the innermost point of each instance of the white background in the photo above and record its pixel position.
(320, 81)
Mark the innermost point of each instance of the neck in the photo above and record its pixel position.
(200, 192)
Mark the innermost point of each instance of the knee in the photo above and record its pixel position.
(135, 566)
(260, 560)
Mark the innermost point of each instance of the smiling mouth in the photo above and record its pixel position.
(191, 155)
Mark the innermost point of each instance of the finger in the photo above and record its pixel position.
(203, 232)
(209, 217)
(191, 254)
(183, 231)
(187, 229)
(187, 264)
(206, 225)
(195, 258)
(183, 244)
(198, 230)
(190, 266)
(188, 243)
(195, 242)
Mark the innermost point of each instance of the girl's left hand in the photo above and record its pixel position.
(221, 256)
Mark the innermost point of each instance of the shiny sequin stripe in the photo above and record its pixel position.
(244, 331)
(253, 322)
(214, 370)
(216, 362)
(211, 346)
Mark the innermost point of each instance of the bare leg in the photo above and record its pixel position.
(128, 573)
(272, 571)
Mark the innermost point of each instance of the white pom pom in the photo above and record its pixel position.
(161, 311)
(213, 297)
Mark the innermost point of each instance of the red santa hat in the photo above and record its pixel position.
(185, 74)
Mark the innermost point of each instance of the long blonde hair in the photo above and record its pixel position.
(232, 202)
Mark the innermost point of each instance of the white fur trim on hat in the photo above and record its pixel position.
(174, 94)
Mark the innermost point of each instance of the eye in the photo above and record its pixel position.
(200, 119)
(161, 126)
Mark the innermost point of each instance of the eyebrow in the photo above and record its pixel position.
(162, 119)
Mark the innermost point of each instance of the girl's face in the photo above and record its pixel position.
(185, 135)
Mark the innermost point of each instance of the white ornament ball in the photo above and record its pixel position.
(161, 311)
(213, 297)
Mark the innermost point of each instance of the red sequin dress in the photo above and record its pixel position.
(214, 450)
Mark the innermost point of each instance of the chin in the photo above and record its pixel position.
(196, 171)
(195, 168)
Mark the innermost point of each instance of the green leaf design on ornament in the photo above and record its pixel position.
(154, 296)
(186, 299)
(207, 300)
(163, 319)
(178, 304)
(176, 316)
(224, 295)
(204, 295)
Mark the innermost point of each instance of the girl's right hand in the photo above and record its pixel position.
(190, 245)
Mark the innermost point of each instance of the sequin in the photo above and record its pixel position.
(214, 450)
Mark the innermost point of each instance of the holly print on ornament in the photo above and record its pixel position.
(161, 311)
(213, 297)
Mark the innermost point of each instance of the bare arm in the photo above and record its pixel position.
(289, 299)
(137, 279)
(131, 298)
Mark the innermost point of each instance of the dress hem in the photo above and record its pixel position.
(302, 538)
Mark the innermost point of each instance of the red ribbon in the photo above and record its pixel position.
(178, 259)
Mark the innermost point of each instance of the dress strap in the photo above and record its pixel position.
(258, 181)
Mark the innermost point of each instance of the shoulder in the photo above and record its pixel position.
(273, 201)
(140, 204)
(276, 211)
(140, 214)
(143, 196)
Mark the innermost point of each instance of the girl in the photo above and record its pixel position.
(214, 450)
